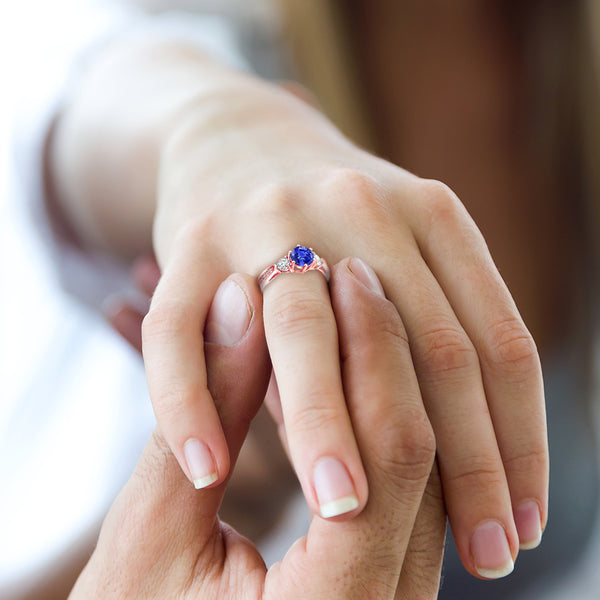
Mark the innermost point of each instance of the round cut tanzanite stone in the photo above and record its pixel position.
(302, 256)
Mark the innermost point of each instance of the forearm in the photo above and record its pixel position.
(105, 151)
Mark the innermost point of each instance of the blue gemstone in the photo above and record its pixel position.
(301, 255)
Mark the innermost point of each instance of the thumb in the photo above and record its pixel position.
(159, 511)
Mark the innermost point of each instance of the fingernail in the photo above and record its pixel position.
(363, 272)
(229, 315)
(529, 525)
(200, 463)
(490, 550)
(334, 488)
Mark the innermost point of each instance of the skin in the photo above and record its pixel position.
(196, 162)
(173, 543)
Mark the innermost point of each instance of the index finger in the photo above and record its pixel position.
(173, 350)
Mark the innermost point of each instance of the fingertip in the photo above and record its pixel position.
(353, 270)
(365, 275)
(232, 310)
(492, 550)
(200, 463)
(229, 316)
(335, 489)
(529, 524)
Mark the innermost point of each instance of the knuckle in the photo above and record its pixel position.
(482, 476)
(445, 350)
(275, 200)
(410, 454)
(322, 415)
(194, 236)
(358, 193)
(351, 181)
(386, 323)
(377, 331)
(297, 312)
(441, 201)
(198, 229)
(511, 348)
(444, 214)
(172, 403)
(526, 462)
(418, 442)
(166, 319)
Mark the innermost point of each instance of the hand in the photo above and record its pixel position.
(161, 539)
(278, 174)
(126, 318)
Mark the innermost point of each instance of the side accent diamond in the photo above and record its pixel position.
(283, 264)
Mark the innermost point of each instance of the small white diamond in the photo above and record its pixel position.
(283, 264)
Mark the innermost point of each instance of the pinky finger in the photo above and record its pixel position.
(127, 321)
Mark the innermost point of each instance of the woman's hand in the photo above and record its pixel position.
(245, 172)
(279, 174)
(162, 539)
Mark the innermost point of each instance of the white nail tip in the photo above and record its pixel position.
(202, 482)
(497, 573)
(530, 545)
(338, 507)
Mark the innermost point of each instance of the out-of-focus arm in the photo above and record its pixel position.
(104, 153)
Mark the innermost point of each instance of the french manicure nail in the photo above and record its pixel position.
(490, 550)
(200, 463)
(335, 492)
(229, 315)
(363, 272)
(529, 526)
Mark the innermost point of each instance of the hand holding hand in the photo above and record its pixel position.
(162, 539)
(477, 365)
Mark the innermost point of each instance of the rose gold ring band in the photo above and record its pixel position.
(298, 260)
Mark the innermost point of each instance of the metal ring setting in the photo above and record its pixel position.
(298, 260)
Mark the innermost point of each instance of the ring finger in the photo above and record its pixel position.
(301, 334)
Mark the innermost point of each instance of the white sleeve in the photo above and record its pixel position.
(93, 277)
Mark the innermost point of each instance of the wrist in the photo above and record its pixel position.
(249, 108)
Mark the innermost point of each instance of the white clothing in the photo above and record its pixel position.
(75, 413)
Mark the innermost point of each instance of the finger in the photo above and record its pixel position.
(172, 342)
(475, 486)
(127, 321)
(364, 556)
(159, 493)
(273, 403)
(301, 334)
(420, 577)
(459, 258)
(146, 274)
